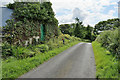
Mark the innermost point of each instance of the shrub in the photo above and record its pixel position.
(13, 68)
(67, 36)
(18, 52)
(6, 50)
(42, 48)
(109, 39)
(22, 52)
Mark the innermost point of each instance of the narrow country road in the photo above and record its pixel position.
(76, 62)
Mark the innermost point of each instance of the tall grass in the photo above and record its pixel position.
(106, 64)
(13, 68)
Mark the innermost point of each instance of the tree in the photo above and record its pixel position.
(79, 29)
(65, 28)
(89, 30)
(110, 24)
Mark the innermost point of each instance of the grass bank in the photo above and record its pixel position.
(106, 64)
(13, 68)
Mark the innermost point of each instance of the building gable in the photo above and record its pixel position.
(5, 14)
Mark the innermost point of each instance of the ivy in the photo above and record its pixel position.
(27, 20)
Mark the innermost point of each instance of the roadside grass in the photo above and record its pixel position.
(106, 64)
(0, 68)
(13, 68)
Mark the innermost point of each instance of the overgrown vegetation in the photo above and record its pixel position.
(78, 30)
(106, 64)
(110, 40)
(22, 46)
(13, 67)
(110, 24)
(107, 48)
(21, 52)
(27, 21)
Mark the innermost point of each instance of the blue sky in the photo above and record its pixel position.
(88, 11)
(111, 7)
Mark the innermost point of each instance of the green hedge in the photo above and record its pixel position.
(110, 39)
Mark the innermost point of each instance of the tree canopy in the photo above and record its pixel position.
(78, 30)
(110, 24)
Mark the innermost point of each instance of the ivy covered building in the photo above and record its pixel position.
(32, 21)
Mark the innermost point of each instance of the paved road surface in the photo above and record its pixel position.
(76, 62)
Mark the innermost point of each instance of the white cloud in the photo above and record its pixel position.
(65, 19)
(8, 1)
(90, 11)
(77, 13)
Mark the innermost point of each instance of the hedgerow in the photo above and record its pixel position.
(110, 40)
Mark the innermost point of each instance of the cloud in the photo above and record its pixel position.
(11, 1)
(69, 16)
(89, 11)
(65, 19)
(77, 13)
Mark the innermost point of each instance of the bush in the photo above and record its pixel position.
(22, 52)
(6, 50)
(15, 51)
(109, 40)
(68, 37)
(13, 68)
(42, 48)
(31, 50)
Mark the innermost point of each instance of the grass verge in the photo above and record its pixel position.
(14, 68)
(106, 64)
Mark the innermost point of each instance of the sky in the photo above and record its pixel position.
(88, 11)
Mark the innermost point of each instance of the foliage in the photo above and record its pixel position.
(34, 11)
(89, 30)
(66, 29)
(15, 31)
(28, 18)
(78, 30)
(29, 51)
(13, 68)
(57, 42)
(11, 6)
(110, 40)
(42, 48)
(15, 51)
(106, 64)
(110, 24)
(6, 50)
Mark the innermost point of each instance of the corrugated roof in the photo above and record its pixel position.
(5, 14)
